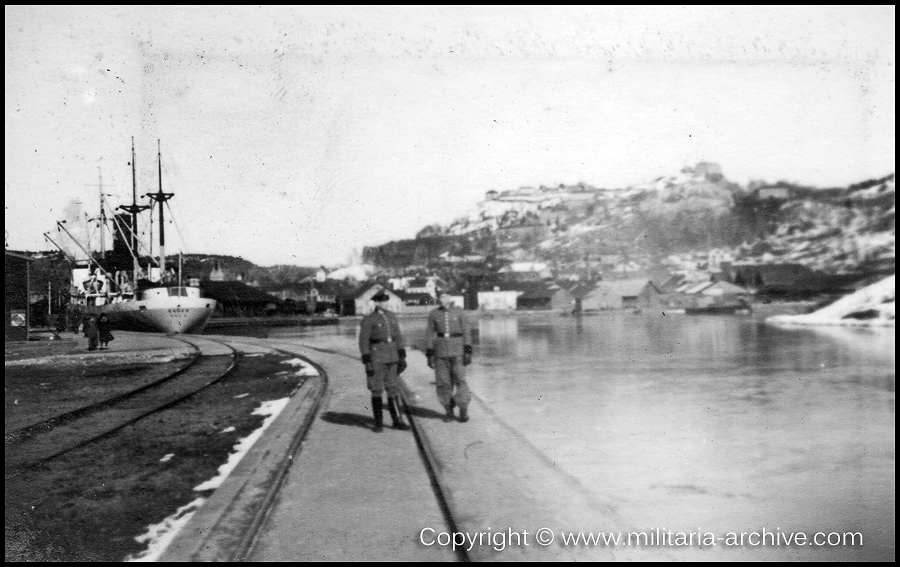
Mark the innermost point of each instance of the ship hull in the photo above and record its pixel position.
(161, 315)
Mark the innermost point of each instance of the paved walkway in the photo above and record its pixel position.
(346, 493)
(352, 494)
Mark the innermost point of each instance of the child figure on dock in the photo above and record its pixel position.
(103, 332)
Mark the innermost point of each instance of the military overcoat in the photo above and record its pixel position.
(380, 337)
(448, 332)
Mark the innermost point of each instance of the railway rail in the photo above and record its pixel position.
(53, 437)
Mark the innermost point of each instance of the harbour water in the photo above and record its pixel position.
(709, 424)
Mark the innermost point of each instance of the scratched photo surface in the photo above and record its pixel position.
(668, 230)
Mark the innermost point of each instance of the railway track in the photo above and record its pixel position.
(51, 438)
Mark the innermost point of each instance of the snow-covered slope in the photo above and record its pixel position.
(835, 231)
(875, 301)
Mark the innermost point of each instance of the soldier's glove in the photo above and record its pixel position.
(467, 355)
(429, 354)
(367, 362)
(401, 364)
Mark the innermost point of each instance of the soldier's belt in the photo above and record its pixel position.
(376, 341)
(447, 335)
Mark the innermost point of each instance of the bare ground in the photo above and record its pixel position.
(91, 504)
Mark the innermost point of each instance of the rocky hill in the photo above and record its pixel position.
(689, 215)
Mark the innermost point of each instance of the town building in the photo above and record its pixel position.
(365, 305)
(18, 275)
(498, 300)
(621, 294)
(717, 293)
(237, 299)
(429, 285)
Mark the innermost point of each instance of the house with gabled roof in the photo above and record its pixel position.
(365, 305)
(428, 284)
(622, 294)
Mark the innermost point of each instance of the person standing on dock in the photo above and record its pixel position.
(449, 351)
(384, 357)
(91, 332)
(103, 331)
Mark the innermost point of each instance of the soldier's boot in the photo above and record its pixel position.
(448, 413)
(463, 414)
(396, 411)
(377, 407)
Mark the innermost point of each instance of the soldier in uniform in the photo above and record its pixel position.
(449, 351)
(383, 354)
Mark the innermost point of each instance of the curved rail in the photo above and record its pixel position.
(65, 417)
(258, 519)
(99, 421)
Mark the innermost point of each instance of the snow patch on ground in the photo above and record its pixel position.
(105, 356)
(271, 409)
(877, 299)
(162, 534)
(305, 368)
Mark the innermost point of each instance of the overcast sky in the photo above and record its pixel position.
(296, 135)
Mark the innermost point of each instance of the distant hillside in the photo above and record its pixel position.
(834, 230)
(236, 268)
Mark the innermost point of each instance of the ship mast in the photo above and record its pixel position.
(134, 209)
(102, 216)
(161, 198)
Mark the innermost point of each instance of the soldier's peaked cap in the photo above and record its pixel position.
(380, 296)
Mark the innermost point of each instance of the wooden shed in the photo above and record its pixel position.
(18, 276)
(622, 294)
